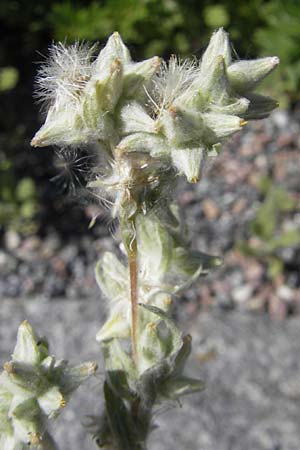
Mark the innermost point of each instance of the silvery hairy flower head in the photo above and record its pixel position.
(178, 112)
(83, 92)
(34, 387)
(201, 104)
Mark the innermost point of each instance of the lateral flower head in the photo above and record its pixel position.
(34, 386)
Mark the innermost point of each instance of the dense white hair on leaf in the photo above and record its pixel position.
(65, 73)
(174, 78)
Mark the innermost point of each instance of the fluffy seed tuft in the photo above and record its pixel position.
(65, 73)
(173, 79)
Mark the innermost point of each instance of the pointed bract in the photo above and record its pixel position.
(259, 107)
(189, 161)
(244, 76)
(138, 75)
(118, 325)
(219, 45)
(26, 349)
(114, 49)
(51, 401)
(136, 120)
(112, 276)
(220, 126)
(183, 127)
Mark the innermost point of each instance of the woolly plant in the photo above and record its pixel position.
(148, 123)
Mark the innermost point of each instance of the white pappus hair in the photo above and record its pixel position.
(65, 73)
(173, 79)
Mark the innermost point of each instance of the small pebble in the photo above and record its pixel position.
(12, 240)
(241, 294)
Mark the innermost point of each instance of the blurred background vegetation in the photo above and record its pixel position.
(28, 27)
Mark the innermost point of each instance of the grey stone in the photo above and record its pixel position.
(252, 373)
(242, 293)
(12, 240)
(280, 118)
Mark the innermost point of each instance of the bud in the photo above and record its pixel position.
(235, 106)
(134, 75)
(219, 45)
(174, 388)
(220, 126)
(210, 87)
(51, 401)
(28, 423)
(118, 324)
(182, 127)
(244, 76)
(27, 349)
(151, 143)
(138, 75)
(114, 48)
(136, 120)
(71, 377)
(63, 126)
(106, 85)
(189, 161)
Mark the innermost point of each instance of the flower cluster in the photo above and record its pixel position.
(178, 113)
(148, 122)
(84, 95)
(34, 386)
(152, 120)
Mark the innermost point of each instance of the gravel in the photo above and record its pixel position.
(218, 211)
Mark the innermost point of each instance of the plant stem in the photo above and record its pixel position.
(133, 273)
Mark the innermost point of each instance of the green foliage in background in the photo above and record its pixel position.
(18, 201)
(8, 78)
(281, 34)
(157, 25)
(152, 26)
(257, 28)
(270, 231)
